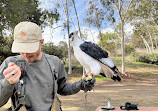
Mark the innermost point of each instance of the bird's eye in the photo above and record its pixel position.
(71, 34)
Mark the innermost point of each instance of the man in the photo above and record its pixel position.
(42, 73)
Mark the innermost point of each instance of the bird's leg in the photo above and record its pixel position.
(85, 73)
(89, 76)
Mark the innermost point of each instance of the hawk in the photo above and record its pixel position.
(93, 58)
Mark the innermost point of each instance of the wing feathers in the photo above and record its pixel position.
(106, 71)
(93, 50)
(108, 62)
(107, 66)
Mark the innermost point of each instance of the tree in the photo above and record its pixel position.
(122, 8)
(66, 11)
(95, 17)
(14, 11)
(51, 49)
(77, 17)
(143, 16)
(5, 48)
(110, 41)
(63, 46)
(141, 31)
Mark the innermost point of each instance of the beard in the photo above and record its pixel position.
(31, 57)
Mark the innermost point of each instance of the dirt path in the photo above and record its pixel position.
(141, 92)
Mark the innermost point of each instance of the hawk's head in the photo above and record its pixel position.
(73, 35)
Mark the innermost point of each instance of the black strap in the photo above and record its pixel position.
(18, 98)
(54, 73)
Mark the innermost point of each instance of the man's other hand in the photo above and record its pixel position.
(12, 73)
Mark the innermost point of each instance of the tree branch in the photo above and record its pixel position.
(63, 5)
(120, 5)
(114, 5)
(116, 30)
(127, 9)
(77, 17)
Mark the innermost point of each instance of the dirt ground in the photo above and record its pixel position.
(143, 92)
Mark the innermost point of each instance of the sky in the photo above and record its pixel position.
(57, 34)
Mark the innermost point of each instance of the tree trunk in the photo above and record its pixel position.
(146, 44)
(152, 44)
(122, 47)
(101, 39)
(156, 43)
(69, 48)
(77, 18)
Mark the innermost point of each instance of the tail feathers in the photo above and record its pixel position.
(115, 69)
(103, 74)
(107, 72)
(116, 78)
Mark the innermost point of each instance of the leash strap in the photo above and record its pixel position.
(56, 106)
(18, 98)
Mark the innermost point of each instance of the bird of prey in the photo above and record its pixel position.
(93, 58)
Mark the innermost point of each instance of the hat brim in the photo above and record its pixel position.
(18, 47)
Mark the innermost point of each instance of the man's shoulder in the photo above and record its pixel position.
(53, 57)
(13, 58)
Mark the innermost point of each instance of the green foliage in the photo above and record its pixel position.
(129, 49)
(58, 51)
(143, 16)
(101, 78)
(14, 11)
(134, 56)
(5, 48)
(110, 42)
(149, 58)
(146, 58)
(95, 15)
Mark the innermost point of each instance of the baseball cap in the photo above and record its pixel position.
(27, 36)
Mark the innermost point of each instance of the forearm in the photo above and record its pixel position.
(6, 91)
(69, 88)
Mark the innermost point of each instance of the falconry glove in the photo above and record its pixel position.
(86, 85)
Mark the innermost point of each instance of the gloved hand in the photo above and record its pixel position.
(87, 85)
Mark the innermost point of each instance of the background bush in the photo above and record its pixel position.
(146, 58)
(134, 56)
(129, 49)
(59, 51)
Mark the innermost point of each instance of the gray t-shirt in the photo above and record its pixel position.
(38, 83)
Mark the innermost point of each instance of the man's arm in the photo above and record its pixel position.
(65, 88)
(7, 80)
(5, 88)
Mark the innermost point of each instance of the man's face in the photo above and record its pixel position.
(31, 57)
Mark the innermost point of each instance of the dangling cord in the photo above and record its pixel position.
(85, 101)
(94, 90)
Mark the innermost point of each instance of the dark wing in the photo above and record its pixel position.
(98, 53)
(93, 50)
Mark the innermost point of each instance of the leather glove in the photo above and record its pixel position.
(87, 85)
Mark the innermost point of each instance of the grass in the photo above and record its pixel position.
(100, 78)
